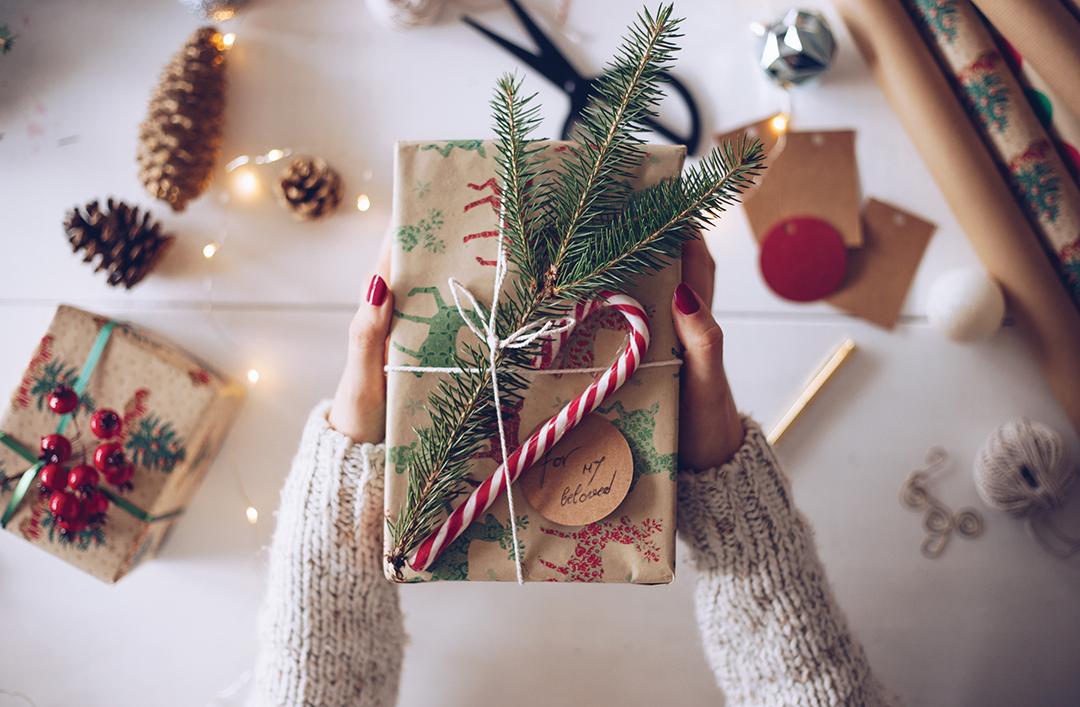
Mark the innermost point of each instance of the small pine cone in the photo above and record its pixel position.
(309, 188)
(129, 247)
(180, 139)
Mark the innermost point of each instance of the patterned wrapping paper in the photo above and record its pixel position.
(445, 220)
(999, 108)
(176, 412)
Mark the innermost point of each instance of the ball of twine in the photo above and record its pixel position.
(1024, 469)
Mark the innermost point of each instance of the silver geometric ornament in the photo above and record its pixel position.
(797, 48)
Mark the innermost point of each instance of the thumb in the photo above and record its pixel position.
(710, 429)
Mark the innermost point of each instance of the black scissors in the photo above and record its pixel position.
(550, 62)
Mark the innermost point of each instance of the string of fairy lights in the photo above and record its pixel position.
(243, 183)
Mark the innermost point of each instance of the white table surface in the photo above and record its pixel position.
(992, 622)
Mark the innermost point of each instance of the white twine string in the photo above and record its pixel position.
(524, 336)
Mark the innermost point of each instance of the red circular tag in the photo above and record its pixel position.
(803, 259)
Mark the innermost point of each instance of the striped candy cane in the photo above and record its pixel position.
(544, 438)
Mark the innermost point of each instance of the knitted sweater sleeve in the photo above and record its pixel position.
(330, 630)
(772, 631)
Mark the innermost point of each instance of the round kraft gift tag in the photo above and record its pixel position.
(584, 477)
(803, 259)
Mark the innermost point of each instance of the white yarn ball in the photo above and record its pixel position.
(966, 305)
(405, 14)
(1024, 469)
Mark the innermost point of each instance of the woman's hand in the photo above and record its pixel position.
(359, 409)
(710, 429)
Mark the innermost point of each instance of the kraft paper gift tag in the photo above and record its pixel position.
(813, 174)
(880, 273)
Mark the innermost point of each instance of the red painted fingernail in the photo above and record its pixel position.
(376, 293)
(685, 299)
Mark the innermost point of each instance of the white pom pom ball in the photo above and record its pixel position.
(966, 305)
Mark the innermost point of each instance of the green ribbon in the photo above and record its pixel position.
(30, 474)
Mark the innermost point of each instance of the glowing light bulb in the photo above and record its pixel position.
(252, 515)
(363, 203)
(210, 249)
(274, 155)
(228, 39)
(246, 183)
(253, 376)
(780, 123)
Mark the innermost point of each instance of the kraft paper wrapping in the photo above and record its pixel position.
(1016, 138)
(1046, 34)
(176, 412)
(445, 220)
(937, 123)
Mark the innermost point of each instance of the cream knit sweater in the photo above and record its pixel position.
(331, 633)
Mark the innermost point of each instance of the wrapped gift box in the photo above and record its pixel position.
(445, 221)
(175, 412)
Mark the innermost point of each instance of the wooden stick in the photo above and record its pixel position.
(821, 377)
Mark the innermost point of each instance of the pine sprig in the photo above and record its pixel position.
(595, 180)
(520, 173)
(655, 222)
(584, 233)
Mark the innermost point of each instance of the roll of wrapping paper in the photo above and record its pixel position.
(968, 177)
(1010, 126)
(1047, 35)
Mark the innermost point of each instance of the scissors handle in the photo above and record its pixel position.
(581, 94)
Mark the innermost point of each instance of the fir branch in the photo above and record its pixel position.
(655, 222)
(594, 182)
(521, 175)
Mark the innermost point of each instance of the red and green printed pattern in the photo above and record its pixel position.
(1036, 182)
(986, 93)
(939, 16)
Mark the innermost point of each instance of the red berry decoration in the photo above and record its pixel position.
(121, 477)
(108, 457)
(55, 448)
(63, 400)
(82, 477)
(105, 423)
(65, 505)
(53, 477)
(94, 507)
(70, 526)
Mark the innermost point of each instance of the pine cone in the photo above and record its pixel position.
(180, 139)
(309, 188)
(129, 247)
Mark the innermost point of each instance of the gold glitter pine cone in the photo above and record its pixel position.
(180, 139)
(309, 188)
(127, 247)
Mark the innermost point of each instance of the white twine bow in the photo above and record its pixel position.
(521, 338)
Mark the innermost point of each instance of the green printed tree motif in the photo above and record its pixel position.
(639, 429)
(476, 146)
(155, 445)
(90, 535)
(986, 94)
(410, 236)
(401, 456)
(453, 564)
(1036, 183)
(939, 16)
(54, 374)
(438, 349)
